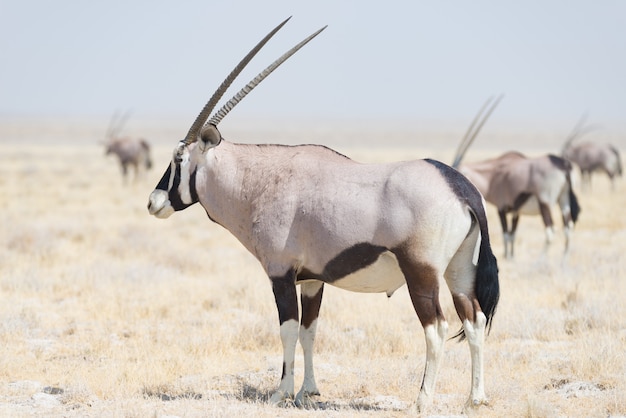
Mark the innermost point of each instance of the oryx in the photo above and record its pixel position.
(591, 156)
(516, 184)
(131, 152)
(312, 216)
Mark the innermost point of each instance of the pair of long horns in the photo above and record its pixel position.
(474, 128)
(579, 130)
(116, 124)
(201, 124)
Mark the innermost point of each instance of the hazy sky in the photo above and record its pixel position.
(376, 61)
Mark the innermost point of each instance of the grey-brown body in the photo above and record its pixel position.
(516, 184)
(591, 157)
(131, 153)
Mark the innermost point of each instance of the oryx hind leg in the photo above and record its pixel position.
(460, 277)
(284, 289)
(514, 223)
(568, 220)
(423, 284)
(508, 235)
(546, 215)
(311, 299)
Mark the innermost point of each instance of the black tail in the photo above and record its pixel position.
(573, 204)
(486, 283)
(487, 286)
(566, 166)
(573, 200)
(619, 161)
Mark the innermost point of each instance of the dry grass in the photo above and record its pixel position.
(108, 312)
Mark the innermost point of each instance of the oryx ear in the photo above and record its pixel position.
(210, 136)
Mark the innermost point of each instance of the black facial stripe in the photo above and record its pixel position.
(165, 180)
(192, 187)
(174, 195)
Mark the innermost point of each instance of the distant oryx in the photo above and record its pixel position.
(312, 216)
(131, 152)
(591, 156)
(519, 185)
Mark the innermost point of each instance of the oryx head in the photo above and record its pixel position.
(176, 189)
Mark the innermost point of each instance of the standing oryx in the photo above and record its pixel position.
(591, 156)
(129, 151)
(519, 185)
(312, 216)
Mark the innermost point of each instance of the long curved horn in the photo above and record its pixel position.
(578, 131)
(219, 115)
(116, 124)
(462, 145)
(192, 135)
(473, 130)
(109, 132)
(575, 132)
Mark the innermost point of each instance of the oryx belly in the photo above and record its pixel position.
(381, 274)
(384, 275)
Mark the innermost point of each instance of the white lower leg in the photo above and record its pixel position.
(289, 338)
(309, 387)
(512, 245)
(435, 337)
(507, 242)
(475, 333)
(568, 234)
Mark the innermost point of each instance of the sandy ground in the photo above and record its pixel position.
(107, 311)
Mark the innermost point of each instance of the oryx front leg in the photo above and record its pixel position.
(435, 335)
(287, 303)
(311, 298)
(508, 235)
(568, 221)
(546, 215)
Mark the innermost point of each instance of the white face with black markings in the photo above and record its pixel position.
(177, 188)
